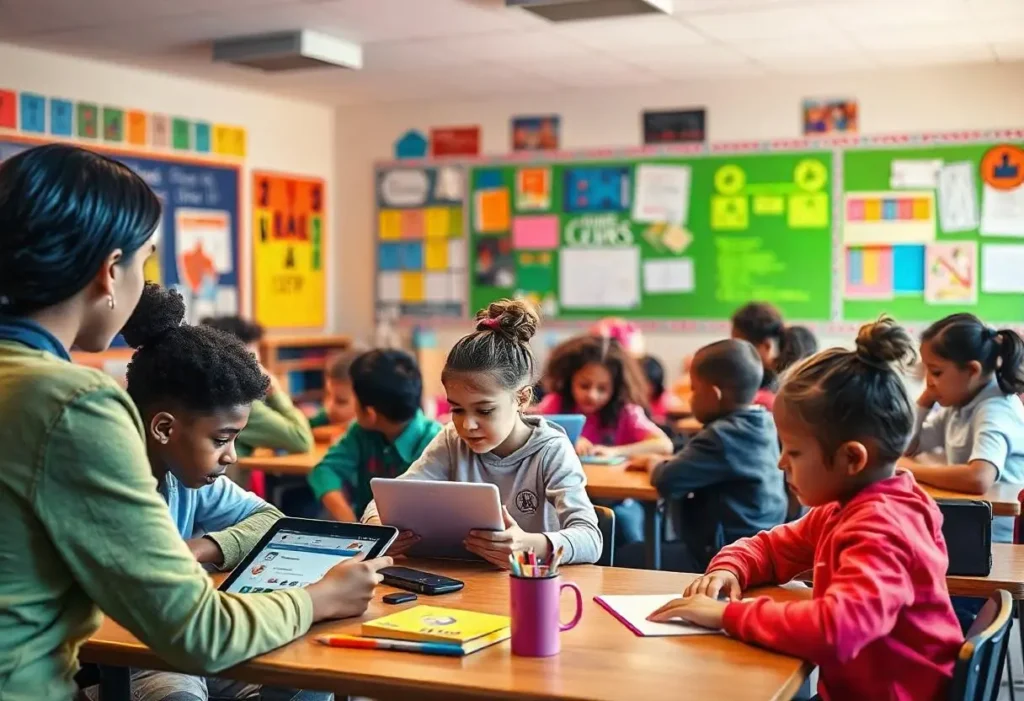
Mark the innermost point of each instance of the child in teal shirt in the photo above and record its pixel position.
(389, 434)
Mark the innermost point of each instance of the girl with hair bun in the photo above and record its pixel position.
(880, 621)
(488, 378)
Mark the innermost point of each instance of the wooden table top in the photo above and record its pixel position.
(1007, 573)
(1002, 496)
(600, 659)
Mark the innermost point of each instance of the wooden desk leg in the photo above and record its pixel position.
(654, 531)
(115, 683)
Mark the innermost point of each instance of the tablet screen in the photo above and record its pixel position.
(296, 559)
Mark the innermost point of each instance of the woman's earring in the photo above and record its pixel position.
(110, 301)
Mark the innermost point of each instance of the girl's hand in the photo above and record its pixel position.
(604, 450)
(700, 610)
(715, 583)
(404, 541)
(927, 399)
(584, 447)
(496, 546)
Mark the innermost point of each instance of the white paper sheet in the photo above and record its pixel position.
(389, 287)
(404, 188)
(914, 174)
(1002, 212)
(958, 198)
(633, 610)
(457, 254)
(438, 287)
(449, 184)
(668, 276)
(1002, 268)
(662, 194)
(599, 278)
(227, 300)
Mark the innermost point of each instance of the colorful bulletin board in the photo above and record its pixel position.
(198, 233)
(656, 237)
(934, 227)
(289, 236)
(421, 248)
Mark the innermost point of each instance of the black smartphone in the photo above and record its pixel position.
(398, 597)
(420, 582)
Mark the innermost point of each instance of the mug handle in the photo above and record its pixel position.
(562, 627)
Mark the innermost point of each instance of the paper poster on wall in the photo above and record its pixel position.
(1001, 268)
(958, 198)
(205, 235)
(8, 109)
(674, 126)
(1002, 212)
(596, 189)
(449, 185)
(533, 189)
(62, 117)
(888, 218)
(951, 273)
(599, 278)
(662, 194)
(161, 130)
(495, 263)
(289, 236)
(869, 272)
(33, 113)
(535, 233)
(536, 133)
(670, 276)
(492, 211)
(908, 269)
(916, 174)
(830, 116)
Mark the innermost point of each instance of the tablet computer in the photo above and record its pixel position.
(441, 513)
(296, 552)
(572, 424)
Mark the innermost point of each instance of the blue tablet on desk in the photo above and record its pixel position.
(572, 424)
(602, 459)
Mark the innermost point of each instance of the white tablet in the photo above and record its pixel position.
(441, 513)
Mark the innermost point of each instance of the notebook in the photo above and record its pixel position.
(435, 624)
(633, 610)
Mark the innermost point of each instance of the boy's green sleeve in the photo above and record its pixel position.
(98, 501)
(277, 424)
(340, 466)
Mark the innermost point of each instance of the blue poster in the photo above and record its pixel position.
(33, 113)
(596, 189)
(62, 116)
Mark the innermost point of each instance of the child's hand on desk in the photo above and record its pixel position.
(405, 540)
(496, 546)
(716, 583)
(604, 450)
(700, 610)
(584, 447)
(347, 588)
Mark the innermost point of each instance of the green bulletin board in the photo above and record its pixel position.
(929, 229)
(659, 237)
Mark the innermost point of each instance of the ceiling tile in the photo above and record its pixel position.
(688, 7)
(925, 56)
(999, 31)
(686, 61)
(928, 36)
(793, 65)
(622, 33)
(778, 23)
(512, 45)
(912, 14)
(996, 9)
(810, 46)
(593, 71)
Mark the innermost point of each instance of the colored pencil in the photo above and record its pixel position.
(358, 643)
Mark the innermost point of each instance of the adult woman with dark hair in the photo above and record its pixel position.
(84, 527)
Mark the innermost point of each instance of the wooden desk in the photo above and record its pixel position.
(1002, 497)
(601, 660)
(300, 464)
(327, 435)
(1007, 573)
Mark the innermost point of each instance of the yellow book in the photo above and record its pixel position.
(435, 624)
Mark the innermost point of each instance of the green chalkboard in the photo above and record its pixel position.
(587, 238)
(921, 237)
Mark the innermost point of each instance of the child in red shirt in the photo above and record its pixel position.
(880, 624)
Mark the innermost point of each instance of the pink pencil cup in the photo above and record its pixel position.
(536, 627)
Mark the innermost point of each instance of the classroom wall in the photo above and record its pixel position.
(941, 98)
(284, 134)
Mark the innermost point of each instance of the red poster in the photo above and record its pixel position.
(455, 141)
(8, 109)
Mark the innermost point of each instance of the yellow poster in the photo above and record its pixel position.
(289, 251)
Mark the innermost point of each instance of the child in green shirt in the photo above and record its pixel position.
(389, 434)
(339, 400)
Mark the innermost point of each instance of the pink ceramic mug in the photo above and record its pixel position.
(535, 623)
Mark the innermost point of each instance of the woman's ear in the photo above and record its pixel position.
(161, 426)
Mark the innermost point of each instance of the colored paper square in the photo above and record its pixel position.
(413, 287)
(161, 130)
(488, 179)
(854, 210)
(596, 189)
(729, 213)
(922, 208)
(908, 269)
(437, 255)
(389, 287)
(113, 124)
(88, 120)
(808, 210)
(456, 255)
(181, 134)
(316, 237)
(239, 142)
(535, 232)
(532, 276)
(8, 109)
(33, 113)
(855, 266)
(202, 137)
(890, 210)
(412, 223)
(871, 266)
(389, 256)
(222, 139)
(62, 117)
(872, 209)
(436, 222)
(137, 127)
(390, 226)
(412, 256)
(438, 287)
(906, 209)
(767, 205)
(455, 223)
(492, 211)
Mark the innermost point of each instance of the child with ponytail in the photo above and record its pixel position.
(488, 378)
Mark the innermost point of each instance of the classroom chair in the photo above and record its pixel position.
(979, 668)
(606, 522)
